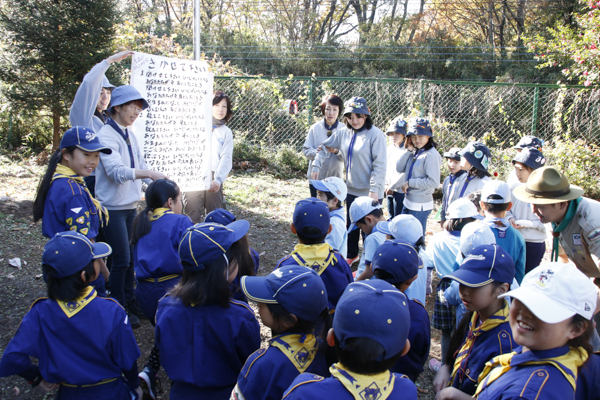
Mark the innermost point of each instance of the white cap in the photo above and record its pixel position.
(462, 208)
(334, 185)
(498, 188)
(554, 292)
(360, 208)
(403, 226)
(474, 235)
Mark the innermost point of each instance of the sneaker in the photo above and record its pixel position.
(135, 309)
(148, 382)
(351, 261)
(435, 365)
(133, 320)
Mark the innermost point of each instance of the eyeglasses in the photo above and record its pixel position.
(135, 108)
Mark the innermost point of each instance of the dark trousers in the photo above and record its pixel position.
(313, 191)
(395, 204)
(354, 235)
(534, 252)
(117, 234)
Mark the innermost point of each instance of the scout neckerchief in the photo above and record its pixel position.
(125, 137)
(416, 156)
(66, 172)
(500, 317)
(469, 179)
(452, 178)
(557, 229)
(379, 386)
(314, 256)
(350, 148)
(567, 364)
(159, 212)
(328, 128)
(301, 350)
(71, 308)
(501, 224)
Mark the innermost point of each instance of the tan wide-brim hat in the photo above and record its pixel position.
(547, 185)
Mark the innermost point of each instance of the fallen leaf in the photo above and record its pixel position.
(10, 276)
(15, 262)
(16, 390)
(38, 276)
(263, 253)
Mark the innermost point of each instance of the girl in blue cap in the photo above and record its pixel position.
(157, 231)
(291, 301)
(63, 201)
(475, 159)
(203, 335)
(84, 343)
(485, 331)
(364, 148)
(118, 187)
(421, 165)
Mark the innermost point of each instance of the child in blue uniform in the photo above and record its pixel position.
(407, 227)
(157, 231)
(333, 191)
(397, 262)
(290, 302)
(63, 202)
(240, 252)
(449, 194)
(588, 380)
(84, 343)
(550, 316)
(204, 336)
(496, 203)
(370, 331)
(311, 223)
(365, 214)
(485, 332)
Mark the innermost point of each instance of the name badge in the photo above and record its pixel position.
(577, 239)
(501, 234)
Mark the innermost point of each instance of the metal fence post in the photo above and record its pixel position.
(422, 85)
(534, 119)
(310, 100)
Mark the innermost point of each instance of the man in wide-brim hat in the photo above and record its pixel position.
(575, 219)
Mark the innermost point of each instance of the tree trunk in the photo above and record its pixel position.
(56, 134)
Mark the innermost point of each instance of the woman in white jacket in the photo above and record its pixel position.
(197, 204)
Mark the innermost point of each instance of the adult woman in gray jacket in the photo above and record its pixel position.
(421, 165)
(363, 147)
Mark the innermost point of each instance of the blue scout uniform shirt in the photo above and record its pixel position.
(338, 237)
(269, 372)
(588, 380)
(531, 375)
(76, 343)
(236, 289)
(156, 254)
(443, 248)
(331, 267)
(482, 342)
(68, 207)
(344, 384)
(419, 335)
(513, 243)
(203, 348)
(372, 242)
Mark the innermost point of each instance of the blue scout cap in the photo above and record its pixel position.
(69, 252)
(334, 185)
(311, 212)
(530, 157)
(356, 105)
(375, 310)
(397, 257)
(485, 264)
(106, 84)
(529, 141)
(420, 126)
(220, 216)
(360, 208)
(299, 290)
(398, 125)
(453, 153)
(84, 139)
(478, 155)
(125, 94)
(204, 243)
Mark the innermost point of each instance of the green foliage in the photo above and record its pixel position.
(282, 162)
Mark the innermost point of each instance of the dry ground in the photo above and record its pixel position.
(267, 203)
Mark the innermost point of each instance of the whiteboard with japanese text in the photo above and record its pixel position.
(176, 129)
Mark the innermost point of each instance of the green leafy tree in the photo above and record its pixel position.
(49, 46)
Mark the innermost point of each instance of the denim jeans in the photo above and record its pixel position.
(117, 234)
(420, 215)
(395, 205)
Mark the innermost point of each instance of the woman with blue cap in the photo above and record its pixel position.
(363, 146)
(118, 187)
